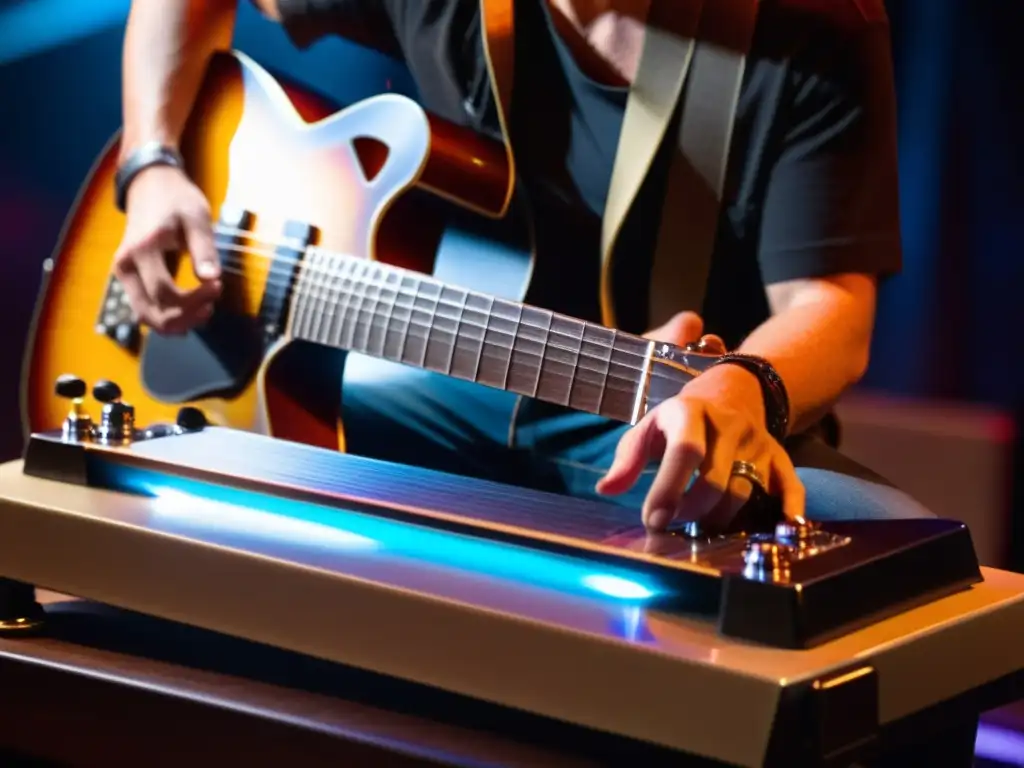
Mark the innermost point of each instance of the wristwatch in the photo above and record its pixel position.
(146, 156)
(776, 398)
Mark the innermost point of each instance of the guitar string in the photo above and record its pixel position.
(331, 273)
(352, 289)
(352, 313)
(328, 293)
(482, 348)
(333, 294)
(351, 292)
(301, 266)
(612, 377)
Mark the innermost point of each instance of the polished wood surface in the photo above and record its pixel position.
(582, 660)
(279, 151)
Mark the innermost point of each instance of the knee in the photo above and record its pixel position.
(835, 496)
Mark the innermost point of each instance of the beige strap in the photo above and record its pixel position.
(712, 70)
(653, 97)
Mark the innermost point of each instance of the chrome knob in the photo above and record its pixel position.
(762, 554)
(798, 534)
(117, 420)
(766, 559)
(117, 423)
(691, 529)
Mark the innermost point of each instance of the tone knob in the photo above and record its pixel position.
(127, 335)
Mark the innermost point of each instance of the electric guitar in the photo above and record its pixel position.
(377, 230)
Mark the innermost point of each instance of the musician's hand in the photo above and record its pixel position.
(716, 420)
(167, 213)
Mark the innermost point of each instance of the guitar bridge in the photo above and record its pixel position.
(117, 320)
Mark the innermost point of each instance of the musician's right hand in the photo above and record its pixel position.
(167, 213)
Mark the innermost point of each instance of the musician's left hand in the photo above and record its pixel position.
(716, 420)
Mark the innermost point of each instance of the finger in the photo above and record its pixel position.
(786, 483)
(201, 247)
(712, 344)
(635, 449)
(170, 321)
(683, 328)
(205, 312)
(684, 452)
(152, 269)
(715, 473)
(195, 308)
(738, 492)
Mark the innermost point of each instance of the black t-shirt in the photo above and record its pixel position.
(812, 180)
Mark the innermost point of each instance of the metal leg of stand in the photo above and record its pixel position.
(20, 613)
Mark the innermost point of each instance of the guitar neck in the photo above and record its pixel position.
(393, 314)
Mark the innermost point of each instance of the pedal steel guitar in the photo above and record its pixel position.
(815, 639)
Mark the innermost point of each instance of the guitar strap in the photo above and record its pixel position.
(693, 61)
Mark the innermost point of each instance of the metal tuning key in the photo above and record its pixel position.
(117, 421)
(78, 425)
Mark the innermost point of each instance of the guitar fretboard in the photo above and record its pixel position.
(389, 313)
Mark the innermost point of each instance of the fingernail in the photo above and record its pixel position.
(207, 269)
(659, 519)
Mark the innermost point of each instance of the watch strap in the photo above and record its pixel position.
(146, 156)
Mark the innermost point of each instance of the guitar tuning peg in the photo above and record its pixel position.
(70, 387)
(77, 424)
(106, 391)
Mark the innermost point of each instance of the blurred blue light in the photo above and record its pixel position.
(201, 505)
(33, 26)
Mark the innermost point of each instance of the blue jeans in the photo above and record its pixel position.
(409, 416)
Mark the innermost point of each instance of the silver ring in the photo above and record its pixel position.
(749, 471)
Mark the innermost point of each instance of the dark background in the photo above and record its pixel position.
(949, 326)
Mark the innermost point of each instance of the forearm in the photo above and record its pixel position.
(819, 342)
(167, 47)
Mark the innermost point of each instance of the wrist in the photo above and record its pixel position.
(741, 389)
(141, 158)
(774, 398)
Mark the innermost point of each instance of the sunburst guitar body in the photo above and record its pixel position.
(294, 184)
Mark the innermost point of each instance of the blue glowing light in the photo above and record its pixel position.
(615, 586)
(203, 505)
(34, 26)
